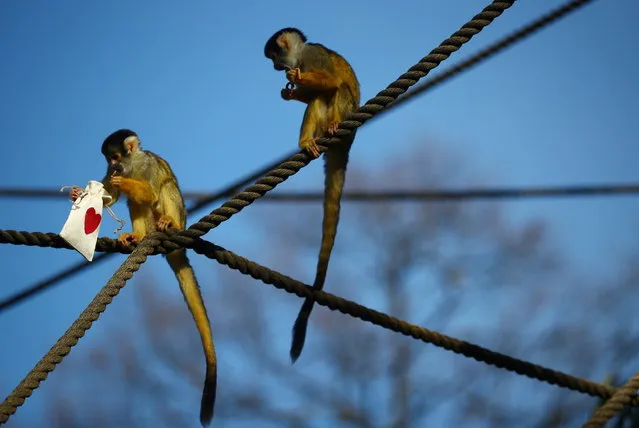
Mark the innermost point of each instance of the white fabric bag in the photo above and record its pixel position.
(83, 224)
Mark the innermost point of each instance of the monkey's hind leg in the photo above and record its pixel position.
(310, 126)
(138, 219)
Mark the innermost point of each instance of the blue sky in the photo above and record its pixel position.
(192, 80)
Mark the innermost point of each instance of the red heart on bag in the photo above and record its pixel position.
(91, 221)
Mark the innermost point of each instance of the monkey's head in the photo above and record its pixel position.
(117, 149)
(284, 48)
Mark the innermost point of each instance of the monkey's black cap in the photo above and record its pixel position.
(271, 43)
(116, 139)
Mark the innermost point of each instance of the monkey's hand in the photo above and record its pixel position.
(128, 239)
(116, 181)
(311, 146)
(294, 75)
(75, 193)
(288, 94)
(165, 222)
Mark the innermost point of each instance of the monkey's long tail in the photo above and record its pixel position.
(336, 160)
(191, 291)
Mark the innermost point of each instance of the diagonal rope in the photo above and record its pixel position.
(262, 186)
(77, 330)
(622, 397)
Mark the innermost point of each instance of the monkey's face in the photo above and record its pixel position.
(282, 57)
(283, 62)
(279, 66)
(116, 160)
(117, 149)
(284, 48)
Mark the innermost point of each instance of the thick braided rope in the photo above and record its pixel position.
(348, 127)
(491, 50)
(234, 261)
(363, 313)
(173, 241)
(622, 397)
(53, 240)
(77, 330)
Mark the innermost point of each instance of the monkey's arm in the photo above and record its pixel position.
(315, 80)
(109, 191)
(298, 94)
(137, 191)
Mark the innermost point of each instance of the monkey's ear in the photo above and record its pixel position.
(283, 42)
(131, 144)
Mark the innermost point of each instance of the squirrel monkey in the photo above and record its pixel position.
(156, 203)
(325, 81)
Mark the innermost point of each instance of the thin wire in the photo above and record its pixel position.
(400, 195)
(357, 196)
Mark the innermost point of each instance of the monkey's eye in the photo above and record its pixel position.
(115, 157)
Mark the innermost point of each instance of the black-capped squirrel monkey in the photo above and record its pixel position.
(156, 203)
(324, 81)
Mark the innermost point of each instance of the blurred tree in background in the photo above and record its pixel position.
(459, 268)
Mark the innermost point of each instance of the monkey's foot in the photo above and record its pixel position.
(332, 128)
(128, 239)
(164, 223)
(311, 146)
